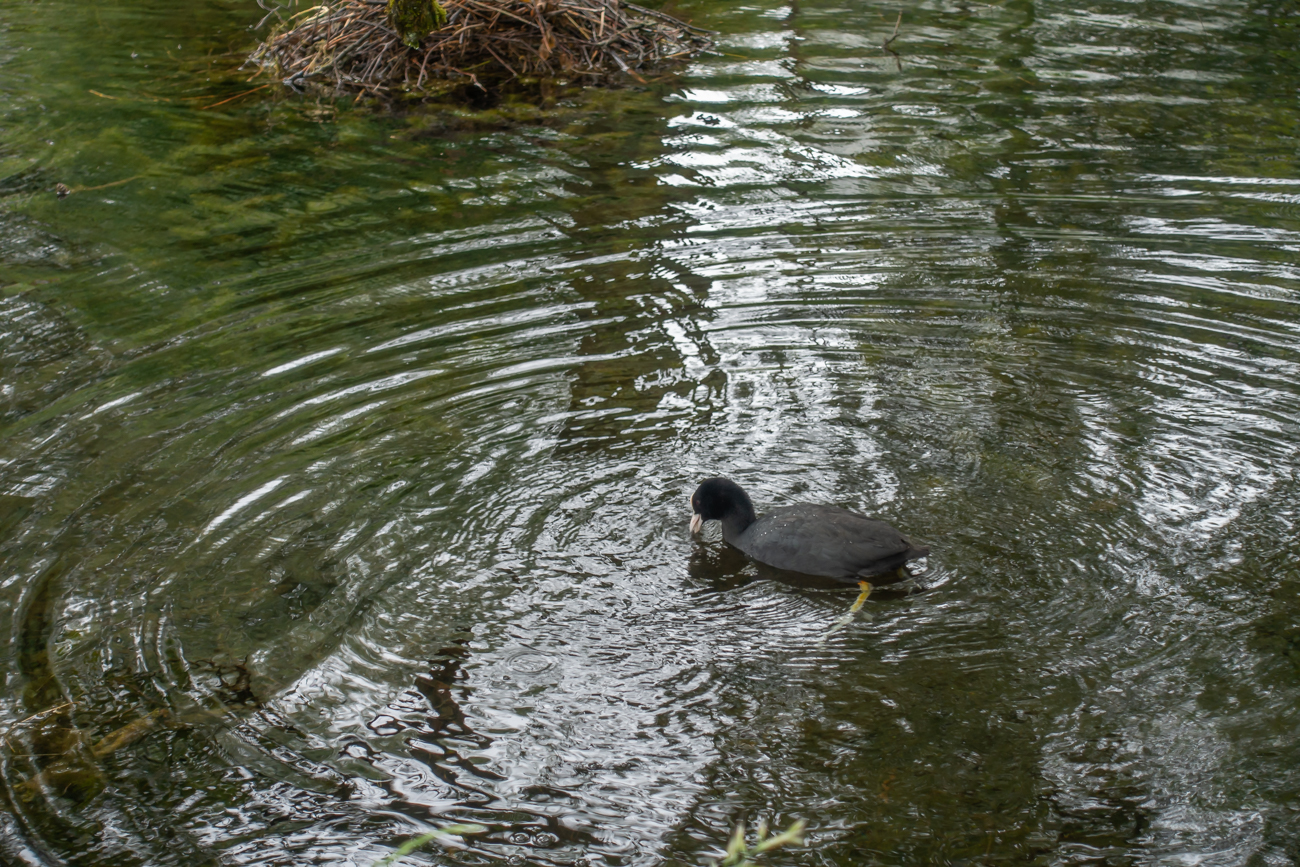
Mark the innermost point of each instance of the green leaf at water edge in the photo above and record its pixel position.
(736, 847)
(441, 834)
(792, 836)
(740, 854)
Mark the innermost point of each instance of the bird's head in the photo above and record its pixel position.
(716, 499)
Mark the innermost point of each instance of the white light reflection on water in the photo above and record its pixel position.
(432, 392)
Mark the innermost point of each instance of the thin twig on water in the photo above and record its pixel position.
(885, 45)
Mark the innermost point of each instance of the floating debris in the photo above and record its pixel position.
(353, 45)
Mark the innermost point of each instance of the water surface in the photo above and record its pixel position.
(344, 455)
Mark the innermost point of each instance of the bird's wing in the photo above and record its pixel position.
(819, 540)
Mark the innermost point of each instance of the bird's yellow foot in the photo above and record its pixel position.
(862, 597)
(847, 618)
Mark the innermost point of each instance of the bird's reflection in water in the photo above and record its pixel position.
(718, 567)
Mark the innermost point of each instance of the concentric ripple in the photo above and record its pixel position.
(344, 458)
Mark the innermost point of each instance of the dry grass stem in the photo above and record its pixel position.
(349, 46)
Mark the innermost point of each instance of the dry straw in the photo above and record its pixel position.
(351, 45)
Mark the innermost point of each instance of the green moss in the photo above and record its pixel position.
(414, 19)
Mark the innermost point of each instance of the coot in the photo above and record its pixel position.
(807, 538)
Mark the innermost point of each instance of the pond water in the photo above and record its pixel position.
(345, 456)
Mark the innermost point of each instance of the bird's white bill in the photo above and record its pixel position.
(697, 522)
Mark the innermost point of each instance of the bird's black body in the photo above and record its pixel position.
(806, 538)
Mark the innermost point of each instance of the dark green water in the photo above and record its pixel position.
(344, 458)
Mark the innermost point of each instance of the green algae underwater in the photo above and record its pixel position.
(345, 448)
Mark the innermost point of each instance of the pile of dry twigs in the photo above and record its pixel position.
(350, 45)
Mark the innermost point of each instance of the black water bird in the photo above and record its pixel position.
(806, 538)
